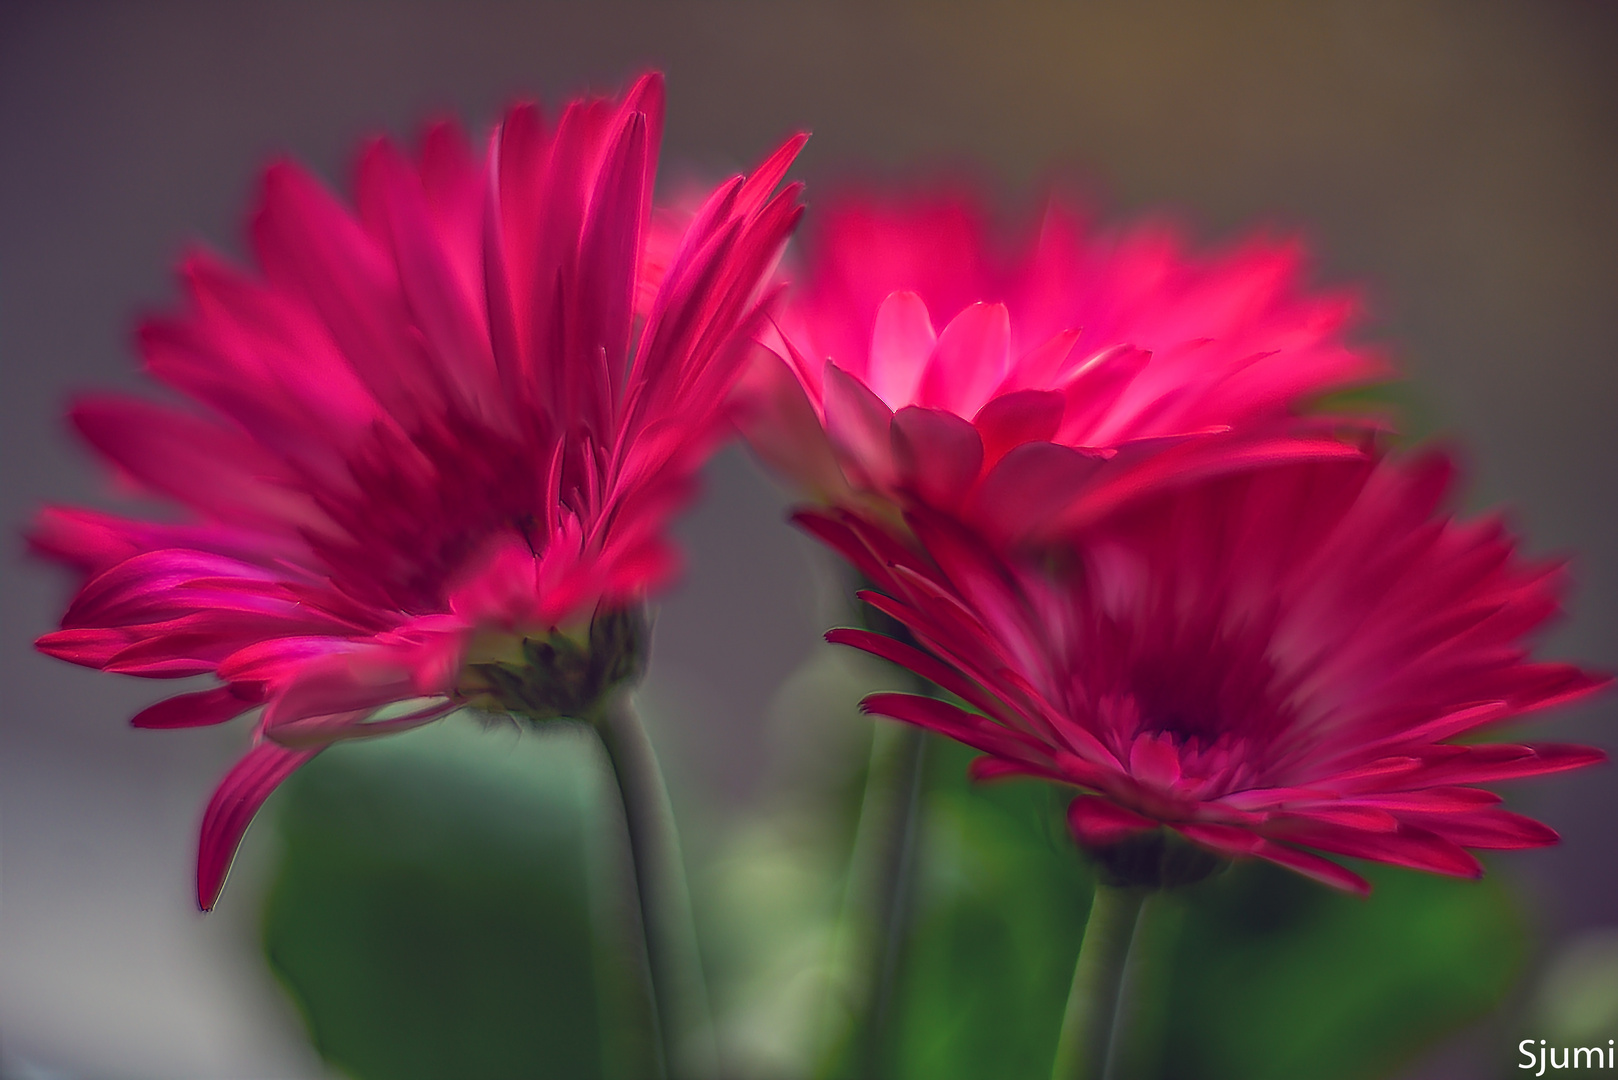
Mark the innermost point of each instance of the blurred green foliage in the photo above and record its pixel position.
(1413, 418)
(451, 903)
(1255, 974)
(1285, 978)
(1576, 1000)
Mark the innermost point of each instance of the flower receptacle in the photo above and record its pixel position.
(562, 674)
(1155, 859)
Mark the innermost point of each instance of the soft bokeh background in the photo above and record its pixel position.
(1458, 158)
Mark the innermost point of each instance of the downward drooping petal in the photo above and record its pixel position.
(1269, 665)
(1160, 366)
(449, 420)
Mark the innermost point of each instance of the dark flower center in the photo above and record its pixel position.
(559, 675)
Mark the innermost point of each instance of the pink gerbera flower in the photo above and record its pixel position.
(919, 368)
(441, 441)
(1273, 664)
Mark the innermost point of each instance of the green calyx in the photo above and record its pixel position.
(562, 675)
(1158, 859)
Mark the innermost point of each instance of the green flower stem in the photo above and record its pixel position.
(1083, 1051)
(685, 1026)
(877, 904)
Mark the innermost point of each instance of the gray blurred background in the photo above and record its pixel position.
(1459, 159)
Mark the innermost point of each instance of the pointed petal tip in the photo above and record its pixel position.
(986, 768)
(231, 809)
(51, 644)
(648, 81)
(1595, 756)
(1550, 838)
(75, 646)
(793, 146)
(1359, 887)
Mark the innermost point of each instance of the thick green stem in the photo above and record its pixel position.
(1085, 1046)
(876, 906)
(685, 1026)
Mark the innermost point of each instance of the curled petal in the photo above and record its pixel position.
(230, 810)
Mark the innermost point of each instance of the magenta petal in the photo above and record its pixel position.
(919, 662)
(319, 732)
(311, 248)
(936, 454)
(988, 768)
(195, 710)
(1490, 762)
(422, 418)
(1013, 419)
(275, 660)
(780, 424)
(1268, 659)
(750, 198)
(1225, 839)
(87, 541)
(1313, 866)
(969, 361)
(1043, 367)
(158, 585)
(838, 536)
(1433, 800)
(339, 683)
(439, 297)
(1154, 761)
(87, 648)
(857, 424)
(1144, 343)
(212, 469)
(1183, 465)
(611, 248)
(901, 344)
(1412, 846)
(1240, 843)
(1027, 483)
(1097, 822)
(1092, 395)
(1491, 830)
(934, 715)
(235, 801)
(1365, 819)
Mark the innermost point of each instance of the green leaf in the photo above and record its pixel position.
(455, 902)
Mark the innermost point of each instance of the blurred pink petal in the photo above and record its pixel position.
(1122, 346)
